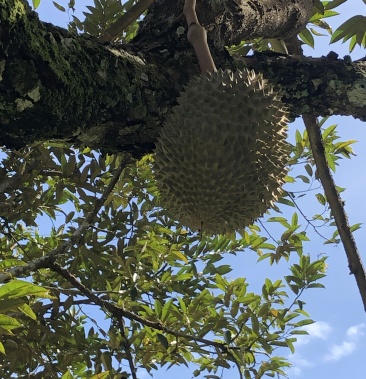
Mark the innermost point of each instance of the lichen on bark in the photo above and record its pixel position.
(58, 83)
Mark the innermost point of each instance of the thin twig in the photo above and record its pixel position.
(117, 28)
(306, 219)
(336, 204)
(118, 311)
(76, 237)
(269, 234)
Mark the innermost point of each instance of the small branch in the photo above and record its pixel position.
(118, 311)
(197, 37)
(127, 346)
(76, 237)
(116, 30)
(336, 205)
(306, 219)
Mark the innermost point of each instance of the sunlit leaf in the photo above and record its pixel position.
(36, 3)
(9, 323)
(18, 288)
(307, 37)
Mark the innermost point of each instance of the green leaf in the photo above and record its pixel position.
(257, 242)
(315, 285)
(6, 263)
(10, 304)
(355, 227)
(27, 310)
(333, 4)
(2, 349)
(316, 33)
(321, 198)
(36, 3)
(227, 337)
(59, 7)
(9, 323)
(180, 256)
(290, 344)
(166, 310)
(299, 332)
(306, 36)
(309, 170)
(18, 288)
(295, 219)
(318, 5)
(304, 178)
(331, 161)
(102, 375)
(300, 304)
(329, 131)
(158, 307)
(304, 322)
(163, 340)
(355, 26)
(285, 201)
(281, 220)
(182, 277)
(223, 269)
(182, 305)
(255, 324)
(68, 375)
(69, 217)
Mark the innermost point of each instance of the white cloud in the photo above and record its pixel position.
(339, 351)
(319, 329)
(322, 330)
(356, 331)
(348, 346)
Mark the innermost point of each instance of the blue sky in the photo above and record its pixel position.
(336, 345)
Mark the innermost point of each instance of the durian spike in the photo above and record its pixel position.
(197, 37)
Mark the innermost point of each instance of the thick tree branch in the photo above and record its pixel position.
(229, 22)
(56, 85)
(336, 204)
(323, 86)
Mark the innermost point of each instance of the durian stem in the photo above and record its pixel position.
(197, 37)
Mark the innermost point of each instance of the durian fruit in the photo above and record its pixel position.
(221, 155)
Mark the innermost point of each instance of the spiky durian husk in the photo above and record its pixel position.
(221, 155)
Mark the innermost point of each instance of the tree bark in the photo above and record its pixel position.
(57, 85)
(229, 22)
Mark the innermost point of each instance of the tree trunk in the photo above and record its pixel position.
(55, 85)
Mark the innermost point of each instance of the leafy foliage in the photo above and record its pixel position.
(191, 306)
(99, 17)
(353, 29)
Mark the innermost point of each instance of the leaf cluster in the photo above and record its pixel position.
(133, 256)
